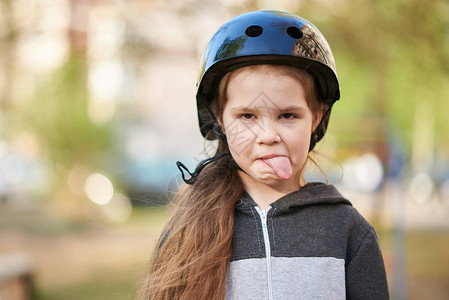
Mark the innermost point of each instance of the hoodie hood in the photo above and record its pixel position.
(310, 194)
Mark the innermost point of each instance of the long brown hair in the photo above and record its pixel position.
(192, 257)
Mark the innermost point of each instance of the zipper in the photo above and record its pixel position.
(263, 217)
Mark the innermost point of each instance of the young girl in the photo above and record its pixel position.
(247, 225)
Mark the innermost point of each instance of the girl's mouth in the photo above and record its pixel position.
(280, 164)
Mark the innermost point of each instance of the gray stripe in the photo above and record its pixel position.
(293, 278)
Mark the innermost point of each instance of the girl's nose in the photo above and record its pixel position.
(268, 134)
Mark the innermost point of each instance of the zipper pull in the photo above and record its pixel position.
(264, 218)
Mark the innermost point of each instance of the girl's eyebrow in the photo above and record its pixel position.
(292, 108)
(242, 108)
(250, 109)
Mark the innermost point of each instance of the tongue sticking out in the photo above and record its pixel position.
(280, 165)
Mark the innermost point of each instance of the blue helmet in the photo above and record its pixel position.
(266, 37)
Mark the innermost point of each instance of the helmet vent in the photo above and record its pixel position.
(294, 32)
(253, 31)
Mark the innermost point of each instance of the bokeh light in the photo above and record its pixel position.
(364, 173)
(421, 187)
(119, 208)
(99, 189)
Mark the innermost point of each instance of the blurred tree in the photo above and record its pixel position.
(8, 42)
(391, 55)
(60, 117)
(59, 114)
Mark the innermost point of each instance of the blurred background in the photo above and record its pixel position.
(97, 104)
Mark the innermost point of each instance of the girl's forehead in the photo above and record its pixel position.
(263, 79)
(247, 88)
(265, 70)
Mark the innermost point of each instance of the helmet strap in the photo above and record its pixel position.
(198, 168)
(201, 165)
(313, 141)
(315, 135)
(218, 131)
(217, 128)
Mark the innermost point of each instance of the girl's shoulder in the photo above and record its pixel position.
(324, 204)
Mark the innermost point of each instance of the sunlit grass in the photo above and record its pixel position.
(105, 284)
(428, 254)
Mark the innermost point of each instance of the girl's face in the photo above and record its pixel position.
(268, 125)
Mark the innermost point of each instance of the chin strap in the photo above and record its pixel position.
(198, 168)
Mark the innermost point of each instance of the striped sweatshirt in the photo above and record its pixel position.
(309, 244)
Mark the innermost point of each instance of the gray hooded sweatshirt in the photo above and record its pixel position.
(309, 244)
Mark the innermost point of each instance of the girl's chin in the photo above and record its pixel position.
(270, 179)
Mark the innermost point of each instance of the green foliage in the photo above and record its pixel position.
(390, 55)
(59, 116)
(355, 89)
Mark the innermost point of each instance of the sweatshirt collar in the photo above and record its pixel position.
(310, 194)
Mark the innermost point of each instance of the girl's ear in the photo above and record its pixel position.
(220, 122)
(317, 118)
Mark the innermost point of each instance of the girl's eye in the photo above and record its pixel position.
(247, 116)
(287, 116)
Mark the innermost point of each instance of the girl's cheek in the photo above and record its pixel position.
(238, 136)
